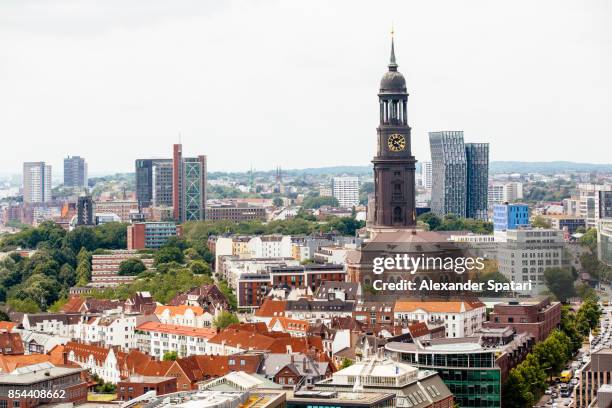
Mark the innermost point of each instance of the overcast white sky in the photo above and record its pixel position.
(294, 83)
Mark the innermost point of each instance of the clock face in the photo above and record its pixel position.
(396, 142)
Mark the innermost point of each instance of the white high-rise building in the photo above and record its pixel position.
(346, 190)
(36, 182)
(509, 192)
(588, 196)
(426, 174)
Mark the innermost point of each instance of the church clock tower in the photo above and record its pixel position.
(394, 164)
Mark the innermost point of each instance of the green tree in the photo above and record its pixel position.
(58, 304)
(225, 319)
(67, 275)
(318, 202)
(23, 306)
(345, 363)
(540, 222)
(168, 254)
(131, 267)
(589, 239)
(39, 288)
(560, 282)
(170, 356)
(278, 202)
(229, 294)
(81, 237)
(200, 268)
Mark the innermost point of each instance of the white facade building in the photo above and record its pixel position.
(426, 175)
(460, 318)
(36, 182)
(191, 316)
(527, 253)
(270, 246)
(184, 340)
(346, 190)
(588, 196)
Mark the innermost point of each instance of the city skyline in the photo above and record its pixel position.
(119, 100)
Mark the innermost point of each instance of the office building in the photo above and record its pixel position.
(64, 385)
(477, 159)
(75, 172)
(538, 318)
(124, 209)
(346, 190)
(510, 216)
(85, 211)
(605, 204)
(449, 169)
(375, 374)
(509, 192)
(36, 182)
(604, 241)
(564, 222)
(468, 369)
(460, 175)
(233, 211)
(527, 253)
(188, 186)
(151, 235)
(594, 375)
(426, 175)
(154, 182)
(589, 202)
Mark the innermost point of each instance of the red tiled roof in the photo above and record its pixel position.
(73, 305)
(259, 327)
(10, 343)
(83, 351)
(179, 310)
(9, 363)
(7, 326)
(154, 368)
(247, 340)
(418, 329)
(271, 308)
(174, 329)
(452, 306)
(290, 324)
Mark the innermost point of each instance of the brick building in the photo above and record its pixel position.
(137, 385)
(537, 318)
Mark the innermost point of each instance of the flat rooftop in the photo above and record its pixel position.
(335, 397)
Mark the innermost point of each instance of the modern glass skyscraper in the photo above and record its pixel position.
(154, 182)
(449, 173)
(460, 173)
(477, 157)
(75, 172)
(188, 186)
(194, 188)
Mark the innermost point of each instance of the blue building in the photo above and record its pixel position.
(510, 216)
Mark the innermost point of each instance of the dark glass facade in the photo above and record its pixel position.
(472, 377)
(460, 173)
(477, 157)
(75, 172)
(154, 182)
